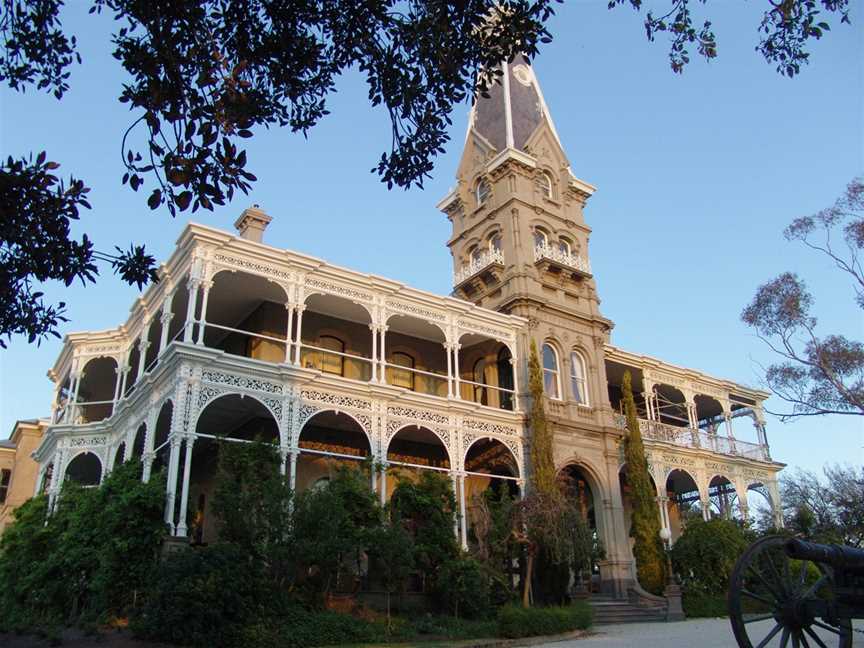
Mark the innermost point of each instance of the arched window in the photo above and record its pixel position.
(564, 247)
(402, 377)
(551, 381)
(495, 242)
(479, 378)
(544, 184)
(505, 377)
(474, 254)
(483, 191)
(332, 363)
(577, 378)
(541, 240)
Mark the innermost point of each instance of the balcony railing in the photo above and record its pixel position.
(477, 265)
(558, 256)
(691, 438)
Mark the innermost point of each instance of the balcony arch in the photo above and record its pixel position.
(179, 306)
(684, 500)
(119, 453)
(331, 316)
(229, 418)
(154, 337)
(159, 439)
(138, 442)
(246, 316)
(416, 446)
(490, 463)
(327, 440)
(670, 406)
(133, 360)
(486, 373)
(95, 400)
(85, 469)
(425, 341)
(757, 506)
(723, 498)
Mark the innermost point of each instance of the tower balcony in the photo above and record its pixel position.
(557, 260)
(485, 267)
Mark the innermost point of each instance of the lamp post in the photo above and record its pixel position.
(674, 611)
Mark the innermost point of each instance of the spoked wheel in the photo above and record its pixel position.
(779, 602)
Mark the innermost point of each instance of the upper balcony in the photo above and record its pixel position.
(249, 300)
(488, 262)
(561, 259)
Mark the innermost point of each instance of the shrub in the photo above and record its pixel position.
(704, 605)
(201, 597)
(297, 626)
(462, 588)
(515, 622)
(704, 555)
(89, 559)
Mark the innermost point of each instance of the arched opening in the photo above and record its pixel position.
(627, 498)
(328, 440)
(179, 306)
(335, 337)
(231, 418)
(96, 391)
(161, 447)
(575, 484)
(132, 362)
(424, 344)
(541, 238)
(119, 453)
(544, 184)
(61, 405)
(670, 407)
(504, 366)
(138, 442)
(482, 191)
(684, 501)
(760, 506)
(489, 464)
(45, 479)
(723, 498)
(154, 336)
(485, 371)
(85, 469)
(246, 316)
(415, 448)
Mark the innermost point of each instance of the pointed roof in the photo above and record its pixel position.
(513, 110)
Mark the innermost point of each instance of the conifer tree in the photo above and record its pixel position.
(645, 525)
(542, 462)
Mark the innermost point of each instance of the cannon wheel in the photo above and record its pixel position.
(767, 584)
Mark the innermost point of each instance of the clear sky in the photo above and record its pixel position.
(697, 176)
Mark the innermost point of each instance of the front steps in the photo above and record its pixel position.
(608, 611)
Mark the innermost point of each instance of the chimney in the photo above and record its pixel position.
(252, 223)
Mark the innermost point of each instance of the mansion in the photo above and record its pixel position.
(241, 339)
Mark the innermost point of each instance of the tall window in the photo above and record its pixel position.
(332, 362)
(564, 247)
(540, 238)
(483, 192)
(399, 376)
(475, 253)
(551, 381)
(505, 378)
(577, 378)
(479, 378)
(5, 478)
(544, 184)
(495, 242)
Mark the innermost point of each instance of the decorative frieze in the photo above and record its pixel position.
(339, 290)
(255, 267)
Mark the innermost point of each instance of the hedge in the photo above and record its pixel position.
(515, 622)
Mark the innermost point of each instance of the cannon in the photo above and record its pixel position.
(787, 592)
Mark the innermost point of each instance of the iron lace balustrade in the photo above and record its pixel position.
(477, 265)
(568, 260)
(687, 437)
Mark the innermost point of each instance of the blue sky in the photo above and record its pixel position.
(697, 175)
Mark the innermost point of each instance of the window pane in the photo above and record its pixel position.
(550, 383)
(495, 242)
(539, 238)
(402, 377)
(330, 362)
(550, 360)
(564, 246)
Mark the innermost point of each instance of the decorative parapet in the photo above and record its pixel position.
(477, 265)
(687, 437)
(570, 261)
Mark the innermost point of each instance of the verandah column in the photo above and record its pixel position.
(298, 333)
(458, 389)
(171, 485)
(289, 306)
(184, 496)
(118, 372)
(515, 371)
(374, 329)
(165, 320)
(462, 517)
(192, 286)
(206, 286)
(448, 348)
(382, 365)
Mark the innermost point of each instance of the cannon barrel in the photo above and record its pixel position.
(837, 556)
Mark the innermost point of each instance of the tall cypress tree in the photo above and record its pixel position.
(542, 462)
(645, 524)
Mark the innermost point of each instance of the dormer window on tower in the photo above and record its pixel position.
(482, 192)
(544, 184)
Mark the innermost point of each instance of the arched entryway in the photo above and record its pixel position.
(328, 440)
(683, 501)
(723, 498)
(232, 418)
(575, 482)
(85, 469)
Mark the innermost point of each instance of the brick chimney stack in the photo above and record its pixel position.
(252, 223)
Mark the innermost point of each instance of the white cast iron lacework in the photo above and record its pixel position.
(252, 266)
(335, 289)
(88, 442)
(495, 333)
(419, 415)
(254, 384)
(490, 428)
(395, 426)
(348, 402)
(395, 307)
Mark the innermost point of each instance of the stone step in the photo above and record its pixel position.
(608, 610)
